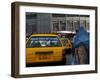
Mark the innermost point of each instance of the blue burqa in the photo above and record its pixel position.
(82, 37)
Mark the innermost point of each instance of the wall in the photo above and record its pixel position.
(5, 40)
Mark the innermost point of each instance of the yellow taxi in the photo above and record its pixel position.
(66, 43)
(44, 48)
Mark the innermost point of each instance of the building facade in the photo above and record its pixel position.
(49, 23)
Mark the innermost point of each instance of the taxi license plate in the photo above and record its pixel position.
(43, 57)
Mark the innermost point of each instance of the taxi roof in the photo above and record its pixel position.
(43, 35)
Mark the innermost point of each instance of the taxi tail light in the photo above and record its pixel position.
(69, 45)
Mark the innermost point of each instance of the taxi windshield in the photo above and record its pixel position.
(43, 41)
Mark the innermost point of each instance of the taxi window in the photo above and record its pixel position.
(43, 41)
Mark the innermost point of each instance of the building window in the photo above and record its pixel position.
(55, 26)
(69, 25)
(59, 22)
(62, 25)
(31, 23)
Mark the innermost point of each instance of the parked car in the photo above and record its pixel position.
(65, 37)
(42, 48)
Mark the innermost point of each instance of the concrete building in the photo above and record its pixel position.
(46, 23)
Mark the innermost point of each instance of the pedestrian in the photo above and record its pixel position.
(81, 55)
(81, 47)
